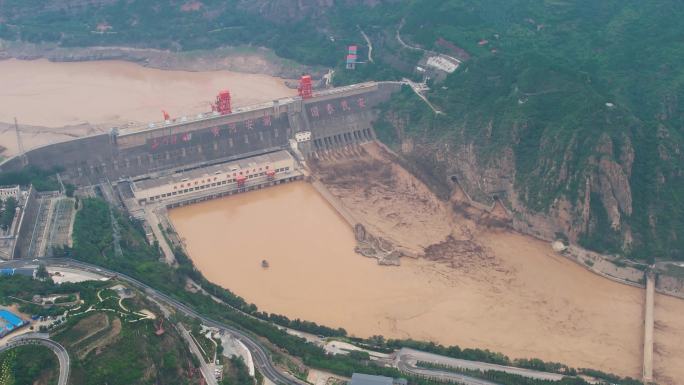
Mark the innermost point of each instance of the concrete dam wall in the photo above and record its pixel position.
(335, 117)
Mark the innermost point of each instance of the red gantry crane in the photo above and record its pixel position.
(304, 89)
(222, 103)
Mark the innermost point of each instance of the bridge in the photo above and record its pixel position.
(325, 120)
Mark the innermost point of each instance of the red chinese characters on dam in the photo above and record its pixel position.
(319, 110)
(216, 132)
(325, 109)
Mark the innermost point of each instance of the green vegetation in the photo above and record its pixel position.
(514, 379)
(9, 207)
(20, 289)
(124, 352)
(207, 347)
(69, 190)
(42, 180)
(379, 343)
(42, 273)
(104, 347)
(675, 271)
(502, 377)
(238, 374)
(611, 378)
(65, 299)
(540, 86)
(28, 365)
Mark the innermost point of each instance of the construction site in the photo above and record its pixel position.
(446, 258)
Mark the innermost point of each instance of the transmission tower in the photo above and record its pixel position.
(20, 144)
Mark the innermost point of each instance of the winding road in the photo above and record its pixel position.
(368, 42)
(262, 359)
(44, 340)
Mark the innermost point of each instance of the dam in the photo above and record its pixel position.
(314, 121)
(177, 161)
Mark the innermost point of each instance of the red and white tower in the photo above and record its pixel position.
(222, 104)
(304, 89)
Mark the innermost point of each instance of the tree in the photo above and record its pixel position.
(42, 272)
(69, 189)
(10, 206)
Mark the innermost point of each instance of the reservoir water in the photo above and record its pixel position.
(98, 95)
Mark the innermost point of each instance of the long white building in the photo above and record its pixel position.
(221, 176)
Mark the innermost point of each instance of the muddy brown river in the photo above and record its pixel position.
(313, 270)
(533, 304)
(44, 93)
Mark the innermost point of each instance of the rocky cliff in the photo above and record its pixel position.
(576, 183)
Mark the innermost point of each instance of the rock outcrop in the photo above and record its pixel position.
(371, 246)
(577, 194)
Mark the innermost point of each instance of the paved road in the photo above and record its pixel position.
(206, 370)
(442, 375)
(153, 220)
(408, 357)
(402, 42)
(43, 339)
(262, 359)
(370, 45)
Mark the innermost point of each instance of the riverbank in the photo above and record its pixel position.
(246, 59)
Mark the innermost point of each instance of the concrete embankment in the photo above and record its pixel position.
(334, 203)
(648, 329)
(368, 245)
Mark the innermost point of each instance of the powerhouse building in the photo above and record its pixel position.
(225, 176)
